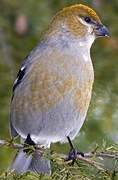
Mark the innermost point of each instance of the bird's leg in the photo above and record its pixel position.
(28, 142)
(73, 153)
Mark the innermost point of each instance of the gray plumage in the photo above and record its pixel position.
(52, 92)
(23, 163)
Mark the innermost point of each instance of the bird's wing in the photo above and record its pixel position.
(46, 78)
(41, 82)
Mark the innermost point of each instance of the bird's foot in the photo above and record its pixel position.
(73, 152)
(80, 153)
(28, 142)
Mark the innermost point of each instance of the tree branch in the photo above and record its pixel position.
(85, 159)
(86, 155)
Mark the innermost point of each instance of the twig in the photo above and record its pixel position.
(84, 159)
(102, 154)
(91, 163)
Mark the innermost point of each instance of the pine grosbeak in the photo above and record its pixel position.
(53, 88)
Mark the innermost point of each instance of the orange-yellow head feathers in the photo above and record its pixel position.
(77, 20)
(78, 10)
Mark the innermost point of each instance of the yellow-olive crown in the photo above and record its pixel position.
(77, 10)
(75, 18)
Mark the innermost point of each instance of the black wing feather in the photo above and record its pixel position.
(20, 76)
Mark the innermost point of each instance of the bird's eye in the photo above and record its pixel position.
(87, 19)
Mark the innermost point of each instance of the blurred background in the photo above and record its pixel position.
(21, 25)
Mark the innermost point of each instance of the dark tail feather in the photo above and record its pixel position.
(39, 165)
(23, 163)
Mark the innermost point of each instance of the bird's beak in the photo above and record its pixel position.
(101, 31)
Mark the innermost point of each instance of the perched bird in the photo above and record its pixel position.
(53, 88)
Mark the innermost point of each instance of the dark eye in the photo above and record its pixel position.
(87, 19)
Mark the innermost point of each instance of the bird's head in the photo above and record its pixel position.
(78, 21)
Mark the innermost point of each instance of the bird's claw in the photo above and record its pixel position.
(73, 153)
(28, 142)
(80, 153)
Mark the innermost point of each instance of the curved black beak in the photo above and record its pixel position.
(101, 31)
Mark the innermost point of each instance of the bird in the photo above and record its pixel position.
(53, 88)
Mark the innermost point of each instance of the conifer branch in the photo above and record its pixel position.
(86, 159)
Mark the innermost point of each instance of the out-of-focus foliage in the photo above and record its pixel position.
(21, 25)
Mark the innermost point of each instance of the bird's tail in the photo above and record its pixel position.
(24, 163)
